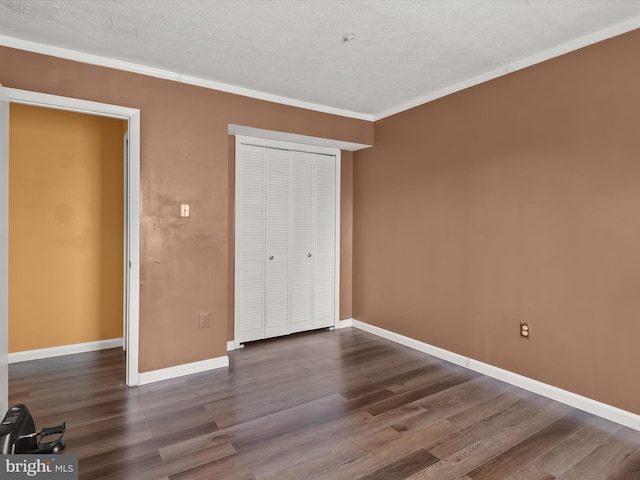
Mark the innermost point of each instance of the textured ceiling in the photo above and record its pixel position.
(405, 51)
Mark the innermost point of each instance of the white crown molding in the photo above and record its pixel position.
(87, 58)
(471, 82)
(145, 378)
(174, 76)
(600, 35)
(59, 351)
(292, 102)
(600, 409)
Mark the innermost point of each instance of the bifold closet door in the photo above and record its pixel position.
(250, 250)
(277, 243)
(286, 240)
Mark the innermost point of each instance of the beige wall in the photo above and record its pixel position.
(65, 228)
(517, 200)
(184, 159)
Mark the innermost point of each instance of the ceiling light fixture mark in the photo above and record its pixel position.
(348, 37)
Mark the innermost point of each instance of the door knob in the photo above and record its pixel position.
(308, 254)
(271, 257)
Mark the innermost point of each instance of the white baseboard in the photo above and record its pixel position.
(233, 345)
(50, 352)
(180, 370)
(600, 409)
(345, 323)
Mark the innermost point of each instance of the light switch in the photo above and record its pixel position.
(184, 210)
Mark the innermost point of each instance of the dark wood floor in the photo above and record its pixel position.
(324, 405)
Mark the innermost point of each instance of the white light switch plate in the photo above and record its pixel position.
(184, 210)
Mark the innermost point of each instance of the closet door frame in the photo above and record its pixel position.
(267, 143)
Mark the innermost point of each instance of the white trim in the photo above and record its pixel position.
(132, 115)
(125, 242)
(231, 345)
(600, 409)
(576, 44)
(292, 102)
(50, 352)
(181, 370)
(285, 145)
(411, 343)
(174, 76)
(133, 334)
(235, 243)
(86, 58)
(336, 238)
(69, 104)
(470, 82)
(4, 249)
(604, 34)
(262, 133)
(345, 323)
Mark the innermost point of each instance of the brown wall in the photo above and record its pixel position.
(66, 226)
(517, 200)
(184, 159)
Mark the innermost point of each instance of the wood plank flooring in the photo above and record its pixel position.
(328, 405)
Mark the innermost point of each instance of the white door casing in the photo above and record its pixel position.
(126, 248)
(4, 250)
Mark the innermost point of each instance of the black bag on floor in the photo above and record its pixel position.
(18, 434)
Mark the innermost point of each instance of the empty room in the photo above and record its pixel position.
(321, 239)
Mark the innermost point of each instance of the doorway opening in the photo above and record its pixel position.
(129, 216)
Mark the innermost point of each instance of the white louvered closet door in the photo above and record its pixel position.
(285, 241)
(301, 235)
(250, 259)
(324, 240)
(277, 243)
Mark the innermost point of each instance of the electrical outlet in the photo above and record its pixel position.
(524, 330)
(205, 320)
